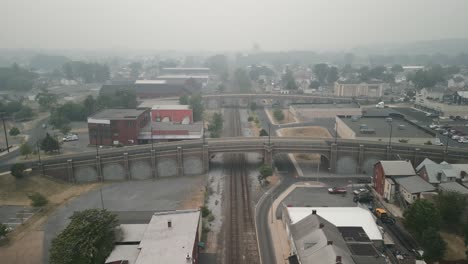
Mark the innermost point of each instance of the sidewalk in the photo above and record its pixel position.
(279, 237)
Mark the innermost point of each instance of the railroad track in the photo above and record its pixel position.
(240, 236)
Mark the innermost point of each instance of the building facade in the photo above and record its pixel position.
(358, 89)
(117, 126)
(181, 114)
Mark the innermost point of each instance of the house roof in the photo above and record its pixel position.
(397, 168)
(124, 252)
(463, 94)
(424, 162)
(432, 170)
(414, 184)
(163, 244)
(340, 216)
(118, 114)
(319, 241)
(453, 187)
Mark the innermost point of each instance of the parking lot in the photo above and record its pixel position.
(319, 197)
(13, 216)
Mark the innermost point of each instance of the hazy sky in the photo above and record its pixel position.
(226, 25)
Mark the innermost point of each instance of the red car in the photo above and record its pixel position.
(336, 190)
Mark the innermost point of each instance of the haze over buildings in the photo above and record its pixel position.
(226, 25)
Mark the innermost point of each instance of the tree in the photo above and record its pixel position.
(90, 105)
(135, 69)
(253, 106)
(433, 245)
(216, 125)
(3, 230)
(49, 144)
(397, 68)
(25, 113)
(91, 231)
(420, 216)
(37, 199)
(25, 149)
(218, 64)
(332, 75)
(314, 85)
(16, 78)
(265, 171)
(184, 100)
(263, 133)
(451, 206)
(242, 80)
(288, 80)
(197, 107)
(17, 170)
(46, 100)
(321, 72)
(14, 131)
(279, 115)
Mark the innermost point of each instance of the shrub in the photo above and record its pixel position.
(428, 142)
(402, 140)
(211, 218)
(37, 199)
(3, 230)
(278, 114)
(250, 119)
(205, 211)
(14, 131)
(17, 170)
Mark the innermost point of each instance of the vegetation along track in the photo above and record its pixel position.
(240, 236)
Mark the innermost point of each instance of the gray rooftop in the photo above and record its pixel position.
(432, 170)
(415, 184)
(119, 114)
(397, 168)
(453, 187)
(325, 106)
(423, 163)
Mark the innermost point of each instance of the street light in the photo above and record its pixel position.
(389, 122)
(95, 141)
(4, 130)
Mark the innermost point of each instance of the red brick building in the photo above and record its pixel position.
(117, 126)
(390, 169)
(180, 114)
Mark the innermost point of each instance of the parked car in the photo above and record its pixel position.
(463, 140)
(456, 137)
(70, 137)
(336, 190)
(358, 191)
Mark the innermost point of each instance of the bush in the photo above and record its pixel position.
(402, 140)
(17, 170)
(265, 171)
(279, 116)
(250, 119)
(205, 211)
(211, 218)
(14, 131)
(3, 230)
(428, 142)
(37, 199)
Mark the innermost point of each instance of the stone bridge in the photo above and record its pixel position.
(193, 157)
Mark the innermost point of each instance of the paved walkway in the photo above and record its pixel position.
(277, 229)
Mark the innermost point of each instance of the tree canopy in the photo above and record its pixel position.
(451, 206)
(88, 72)
(242, 80)
(88, 239)
(197, 107)
(49, 144)
(321, 72)
(433, 245)
(16, 78)
(288, 80)
(218, 64)
(46, 100)
(420, 216)
(17, 170)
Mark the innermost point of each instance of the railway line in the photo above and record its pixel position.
(239, 230)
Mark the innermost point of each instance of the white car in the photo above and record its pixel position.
(71, 137)
(456, 137)
(463, 140)
(432, 126)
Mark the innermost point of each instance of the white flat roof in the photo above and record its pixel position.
(340, 217)
(150, 82)
(182, 76)
(170, 107)
(124, 252)
(163, 244)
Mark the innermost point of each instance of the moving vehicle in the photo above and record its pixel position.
(336, 190)
(380, 105)
(70, 137)
(383, 216)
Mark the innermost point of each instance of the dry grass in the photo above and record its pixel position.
(455, 246)
(312, 131)
(195, 198)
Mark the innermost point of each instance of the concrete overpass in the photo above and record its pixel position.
(192, 157)
(214, 101)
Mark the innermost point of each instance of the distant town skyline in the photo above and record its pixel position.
(227, 25)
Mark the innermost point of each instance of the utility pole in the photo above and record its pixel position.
(102, 199)
(96, 143)
(318, 170)
(269, 129)
(336, 130)
(203, 131)
(152, 141)
(446, 147)
(39, 157)
(6, 135)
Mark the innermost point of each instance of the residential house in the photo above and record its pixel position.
(412, 187)
(386, 170)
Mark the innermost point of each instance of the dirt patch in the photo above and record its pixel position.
(311, 131)
(455, 246)
(195, 198)
(307, 157)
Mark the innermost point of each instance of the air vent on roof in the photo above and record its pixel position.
(169, 223)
